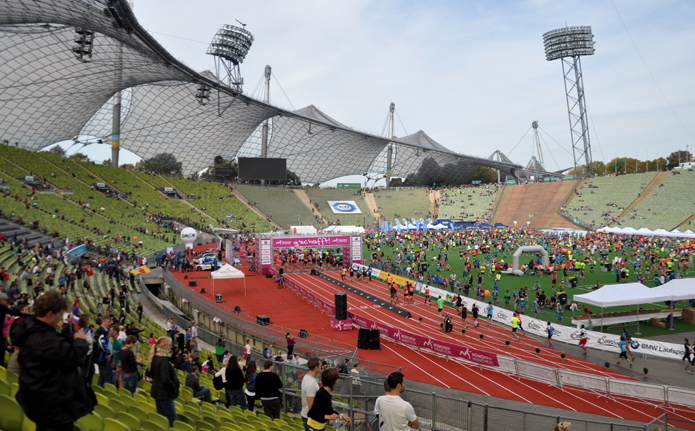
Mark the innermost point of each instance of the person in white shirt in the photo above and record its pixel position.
(396, 413)
(377, 407)
(309, 388)
(194, 329)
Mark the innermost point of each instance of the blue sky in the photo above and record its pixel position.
(472, 75)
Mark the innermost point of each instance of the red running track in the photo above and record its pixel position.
(289, 310)
(431, 368)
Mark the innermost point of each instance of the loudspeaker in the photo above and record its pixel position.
(192, 283)
(202, 290)
(303, 333)
(363, 339)
(269, 276)
(341, 306)
(185, 277)
(374, 339)
(263, 320)
(237, 309)
(314, 272)
(218, 297)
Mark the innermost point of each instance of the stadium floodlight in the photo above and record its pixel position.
(229, 47)
(569, 44)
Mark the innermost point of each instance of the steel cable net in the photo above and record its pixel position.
(62, 61)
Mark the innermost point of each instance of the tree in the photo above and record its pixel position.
(57, 151)
(106, 162)
(485, 175)
(79, 157)
(142, 166)
(165, 163)
(677, 157)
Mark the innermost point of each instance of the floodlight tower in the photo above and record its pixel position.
(389, 154)
(569, 44)
(538, 143)
(229, 47)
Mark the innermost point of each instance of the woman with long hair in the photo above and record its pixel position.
(321, 410)
(251, 384)
(87, 370)
(233, 379)
(165, 383)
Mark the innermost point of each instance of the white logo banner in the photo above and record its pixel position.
(344, 207)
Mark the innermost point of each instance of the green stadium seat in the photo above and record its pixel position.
(204, 426)
(110, 388)
(91, 422)
(105, 411)
(12, 415)
(230, 427)
(148, 425)
(138, 412)
(5, 387)
(114, 425)
(12, 377)
(128, 401)
(157, 418)
(184, 417)
(130, 420)
(183, 426)
(212, 420)
(117, 405)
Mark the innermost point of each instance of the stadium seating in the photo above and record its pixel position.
(668, 205)
(320, 198)
(601, 199)
(407, 202)
(469, 203)
(217, 201)
(279, 203)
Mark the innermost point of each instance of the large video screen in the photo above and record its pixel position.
(262, 169)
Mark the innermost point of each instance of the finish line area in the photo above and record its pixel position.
(287, 308)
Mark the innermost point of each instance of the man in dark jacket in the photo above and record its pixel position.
(268, 385)
(4, 311)
(49, 363)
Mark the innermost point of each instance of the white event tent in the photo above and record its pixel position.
(615, 295)
(646, 232)
(227, 271)
(679, 289)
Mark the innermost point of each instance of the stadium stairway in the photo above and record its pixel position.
(10, 229)
(434, 197)
(537, 204)
(650, 188)
(373, 207)
(304, 198)
(258, 212)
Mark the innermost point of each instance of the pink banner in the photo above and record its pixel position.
(318, 241)
(340, 325)
(473, 355)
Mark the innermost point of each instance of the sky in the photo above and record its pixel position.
(472, 75)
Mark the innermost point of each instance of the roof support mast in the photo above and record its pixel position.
(389, 155)
(264, 134)
(538, 144)
(116, 124)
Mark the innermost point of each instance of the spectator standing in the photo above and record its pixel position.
(129, 364)
(49, 363)
(290, 344)
(250, 380)
(268, 385)
(4, 311)
(356, 383)
(165, 383)
(13, 363)
(397, 414)
(101, 352)
(199, 391)
(309, 388)
(220, 347)
(233, 379)
(321, 410)
(139, 310)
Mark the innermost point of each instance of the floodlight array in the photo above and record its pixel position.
(568, 42)
(231, 43)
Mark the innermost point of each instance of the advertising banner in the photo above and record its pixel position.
(341, 325)
(316, 241)
(76, 252)
(344, 207)
(566, 334)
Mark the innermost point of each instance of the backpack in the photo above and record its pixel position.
(217, 383)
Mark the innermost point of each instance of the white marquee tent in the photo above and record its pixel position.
(680, 289)
(615, 295)
(227, 271)
(647, 232)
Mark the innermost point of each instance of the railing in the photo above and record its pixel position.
(312, 344)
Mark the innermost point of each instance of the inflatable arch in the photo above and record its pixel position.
(526, 249)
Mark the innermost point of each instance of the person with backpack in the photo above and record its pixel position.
(250, 379)
(165, 382)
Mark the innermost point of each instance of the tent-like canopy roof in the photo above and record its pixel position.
(679, 289)
(51, 92)
(227, 271)
(615, 295)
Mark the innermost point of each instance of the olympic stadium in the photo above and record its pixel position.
(262, 271)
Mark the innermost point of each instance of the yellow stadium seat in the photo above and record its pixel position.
(130, 420)
(182, 426)
(114, 425)
(105, 411)
(91, 422)
(148, 425)
(138, 413)
(159, 419)
(12, 415)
